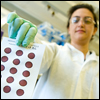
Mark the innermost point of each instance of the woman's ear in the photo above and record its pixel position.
(95, 30)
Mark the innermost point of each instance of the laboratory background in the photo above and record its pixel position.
(50, 18)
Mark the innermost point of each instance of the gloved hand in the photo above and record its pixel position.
(20, 29)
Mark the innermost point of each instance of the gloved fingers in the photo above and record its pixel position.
(9, 28)
(18, 29)
(32, 25)
(29, 36)
(22, 32)
(12, 16)
(14, 26)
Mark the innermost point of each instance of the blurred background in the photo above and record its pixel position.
(50, 18)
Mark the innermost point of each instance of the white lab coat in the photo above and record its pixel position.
(66, 75)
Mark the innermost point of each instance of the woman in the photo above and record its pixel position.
(70, 71)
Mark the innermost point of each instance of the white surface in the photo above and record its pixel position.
(38, 50)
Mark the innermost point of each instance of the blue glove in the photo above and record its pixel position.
(20, 29)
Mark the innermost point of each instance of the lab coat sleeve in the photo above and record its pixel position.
(48, 56)
(96, 83)
(95, 88)
(94, 94)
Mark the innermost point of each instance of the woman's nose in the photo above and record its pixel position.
(81, 22)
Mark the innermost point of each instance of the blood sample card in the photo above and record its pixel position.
(19, 69)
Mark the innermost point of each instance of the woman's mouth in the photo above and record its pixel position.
(80, 31)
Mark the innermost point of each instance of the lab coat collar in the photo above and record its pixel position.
(78, 55)
(92, 56)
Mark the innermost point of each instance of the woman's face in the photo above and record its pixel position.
(81, 31)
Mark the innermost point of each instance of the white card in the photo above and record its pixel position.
(19, 69)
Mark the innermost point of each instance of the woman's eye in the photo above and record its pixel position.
(87, 21)
(75, 20)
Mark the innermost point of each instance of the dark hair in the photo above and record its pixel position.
(75, 7)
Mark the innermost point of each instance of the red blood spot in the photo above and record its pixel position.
(7, 50)
(7, 89)
(16, 61)
(10, 79)
(19, 52)
(13, 70)
(26, 73)
(23, 82)
(20, 92)
(28, 64)
(31, 55)
(4, 58)
(2, 67)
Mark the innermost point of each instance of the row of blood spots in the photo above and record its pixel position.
(13, 70)
(7, 89)
(18, 53)
(19, 92)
